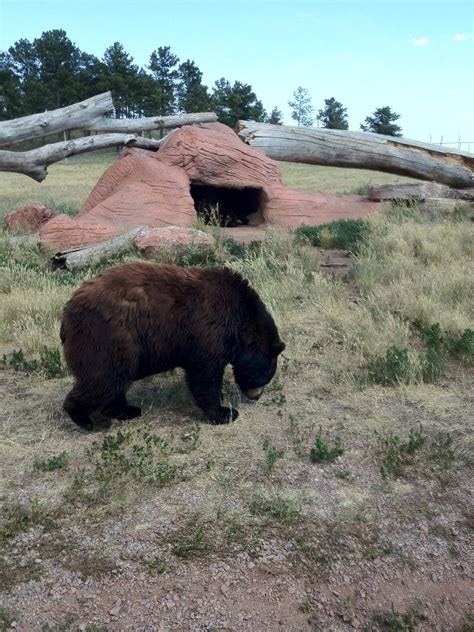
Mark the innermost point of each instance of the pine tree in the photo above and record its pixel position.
(333, 115)
(383, 122)
(192, 95)
(275, 118)
(232, 103)
(163, 69)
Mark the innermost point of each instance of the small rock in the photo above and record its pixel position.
(116, 609)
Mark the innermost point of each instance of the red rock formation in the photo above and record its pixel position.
(156, 189)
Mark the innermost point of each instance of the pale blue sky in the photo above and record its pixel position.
(415, 55)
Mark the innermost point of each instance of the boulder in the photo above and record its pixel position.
(29, 218)
(176, 239)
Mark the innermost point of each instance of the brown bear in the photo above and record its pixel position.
(140, 319)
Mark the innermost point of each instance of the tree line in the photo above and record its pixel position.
(52, 72)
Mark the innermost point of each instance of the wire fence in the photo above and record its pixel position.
(464, 145)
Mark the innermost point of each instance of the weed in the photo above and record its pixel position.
(63, 626)
(321, 452)
(391, 369)
(398, 453)
(347, 234)
(193, 544)
(394, 621)
(275, 507)
(190, 438)
(463, 346)
(51, 464)
(279, 399)
(140, 457)
(442, 448)
(49, 363)
(18, 362)
(22, 517)
(272, 454)
(6, 619)
(155, 565)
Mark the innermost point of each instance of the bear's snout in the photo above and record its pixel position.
(254, 393)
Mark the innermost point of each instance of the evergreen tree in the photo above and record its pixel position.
(301, 107)
(162, 66)
(333, 115)
(10, 90)
(382, 121)
(232, 103)
(275, 118)
(58, 60)
(192, 95)
(121, 77)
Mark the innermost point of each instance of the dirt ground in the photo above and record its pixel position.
(238, 541)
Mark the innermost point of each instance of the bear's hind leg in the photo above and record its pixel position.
(205, 384)
(120, 409)
(79, 413)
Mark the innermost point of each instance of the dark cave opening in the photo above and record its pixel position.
(228, 207)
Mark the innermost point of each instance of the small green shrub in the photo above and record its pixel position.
(272, 455)
(398, 453)
(21, 517)
(321, 452)
(442, 448)
(193, 544)
(49, 363)
(51, 464)
(275, 507)
(398, 622)
(391, 369)
(347, 234)
(134, 453)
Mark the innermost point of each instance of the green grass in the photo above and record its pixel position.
(347, 234)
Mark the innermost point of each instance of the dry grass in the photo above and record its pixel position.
(227, 501)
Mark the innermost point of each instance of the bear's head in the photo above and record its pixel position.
(256, 362)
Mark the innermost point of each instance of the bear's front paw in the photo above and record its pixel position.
(224, 415)
(129, 412)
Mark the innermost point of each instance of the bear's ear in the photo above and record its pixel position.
(278, 347)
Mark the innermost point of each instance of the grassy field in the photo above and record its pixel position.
(341, 500)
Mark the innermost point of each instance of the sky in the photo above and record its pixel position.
(417, 56)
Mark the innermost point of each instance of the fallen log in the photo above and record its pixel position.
(82, 257)
(360, 150)
(417, 191)
(77, 116)
(34, 163)
(150, 123)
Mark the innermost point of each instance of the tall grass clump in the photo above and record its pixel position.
(420, 268)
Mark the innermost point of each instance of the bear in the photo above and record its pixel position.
(141, 319)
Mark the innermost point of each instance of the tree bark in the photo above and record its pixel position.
(34, 163)
(149, 123)
(360, 150)
(81, 257)
(77, 116)
(417, 191)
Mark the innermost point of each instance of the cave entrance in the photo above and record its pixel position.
(228, 207)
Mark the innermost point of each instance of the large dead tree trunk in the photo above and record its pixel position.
(360, 150)
(34, 163)
(90, 115)
(149, 123)
(77, 116)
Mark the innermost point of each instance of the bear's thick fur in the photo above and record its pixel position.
(140, 319)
